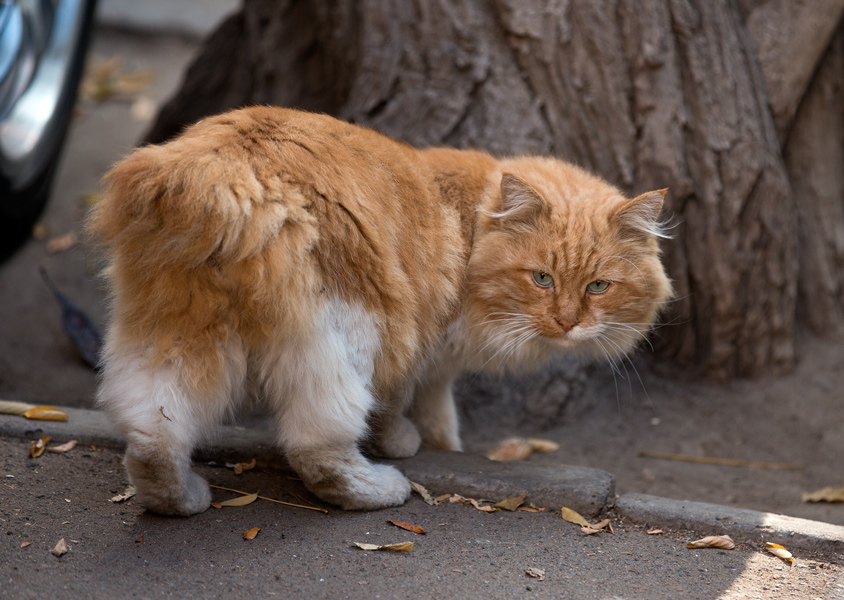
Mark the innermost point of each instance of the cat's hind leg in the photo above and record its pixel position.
(435, 414)
(319, 384)
(162, 418)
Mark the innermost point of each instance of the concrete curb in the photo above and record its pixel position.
(588, 491)
(738, 523)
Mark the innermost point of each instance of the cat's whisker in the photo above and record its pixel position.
(630, 327)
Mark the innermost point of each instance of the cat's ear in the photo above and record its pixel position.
(641, 214)
(520, 203)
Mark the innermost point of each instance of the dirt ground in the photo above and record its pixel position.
(794, 419)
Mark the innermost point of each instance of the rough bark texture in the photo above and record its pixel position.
(648, 94)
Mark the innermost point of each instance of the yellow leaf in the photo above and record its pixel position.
(7, 407)
(62, 448)
(37, 447)
(573, 517)
(45, 413)
(827, 494)
(590, 530)
(442, 497)
(510, 449)
(543, 446)
(216, 505)
(426, 495)
(724, 542)
(407, 526)
(510, 504)
(601, 525)
(399, 547)
(241, 501)
(472, 501)
(779, 552)
(250, 534)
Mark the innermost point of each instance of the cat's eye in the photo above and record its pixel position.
(598, 287)
(543, 279)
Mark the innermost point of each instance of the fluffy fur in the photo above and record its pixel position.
(346, 279)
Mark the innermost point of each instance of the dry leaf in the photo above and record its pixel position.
(574, 517)
(535, 573)
(601, 524)
(250, 534)
(62, 243)
(543, 446)
(510, 504)
(510, 449)
(139, 540)
(7, 407)
(241, 500)
(39, 231)
(472, 501)
(60, 548)
(399, 547)
(407, 526)
(442, 497)
(216, 505)
(45, 413)
(426, 495)
(531, 508)
(62, 448)
(779, 552)
(724, 542)
(127, 493)
(590, 530)
(827, 494)
(239, 468)
(25, 544)
(654, 531)
(37, 447)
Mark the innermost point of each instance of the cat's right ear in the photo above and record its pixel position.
(520, 203)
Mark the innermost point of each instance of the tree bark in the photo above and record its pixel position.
(648, 94)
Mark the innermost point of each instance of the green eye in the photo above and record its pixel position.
(598, 287)
(543, 279)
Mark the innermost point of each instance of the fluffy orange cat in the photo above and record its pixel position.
(345, 279)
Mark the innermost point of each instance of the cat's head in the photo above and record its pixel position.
(561, 260)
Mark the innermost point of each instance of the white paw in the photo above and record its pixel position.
(381, 487)
(166, 493)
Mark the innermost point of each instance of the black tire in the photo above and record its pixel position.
(20, 208)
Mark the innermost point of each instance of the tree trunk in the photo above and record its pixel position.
(648, 94)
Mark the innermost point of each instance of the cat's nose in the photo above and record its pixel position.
(567, 323)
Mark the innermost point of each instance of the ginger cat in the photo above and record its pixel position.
(345, 279)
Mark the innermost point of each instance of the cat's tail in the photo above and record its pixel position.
(180, 204)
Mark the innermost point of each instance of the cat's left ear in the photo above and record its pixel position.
(641, 214)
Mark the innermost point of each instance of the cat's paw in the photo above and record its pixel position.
(366, 487)
(400, 439)
(171, 496)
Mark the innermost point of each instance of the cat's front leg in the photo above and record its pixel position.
(435, 414)
(393, 434)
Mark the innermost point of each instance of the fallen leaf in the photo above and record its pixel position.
(60, 548)
(250, 534)
(590, 530)
(426, 495)
(139, 540)
(535, 573)
(239, 468)
(62, 448)
(543, 446)
(39, 231)
(779, 552)
(510, 504)
(442, 497)
(654, 531)
(8, 407)
(38, 446)
(62, 243)
(127, 493)
(724, 542)
(510, 449)
(241, 500)
(399, 547)
(827, 494)
(601, 524)
(216, 505)
(531, 508)
(407, 526)
(573, 517)
(45, 413)
(458, 498)
(25, 544)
